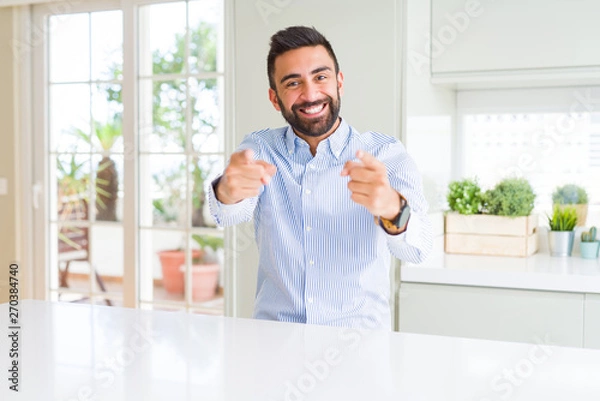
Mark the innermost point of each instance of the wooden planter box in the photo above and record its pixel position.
(491, 235)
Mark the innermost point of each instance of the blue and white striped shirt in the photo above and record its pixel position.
(322, 258)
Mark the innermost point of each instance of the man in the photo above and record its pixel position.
(329, 204)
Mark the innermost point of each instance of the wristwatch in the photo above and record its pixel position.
(396, 226)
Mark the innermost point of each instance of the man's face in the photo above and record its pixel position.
(307, 90)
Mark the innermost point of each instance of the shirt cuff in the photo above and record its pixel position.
(410, 236)
(223, 212)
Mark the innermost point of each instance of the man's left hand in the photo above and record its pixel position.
(370, 186)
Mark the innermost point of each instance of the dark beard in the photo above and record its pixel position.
(313, 128)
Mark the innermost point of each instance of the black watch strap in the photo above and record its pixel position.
(396, 226)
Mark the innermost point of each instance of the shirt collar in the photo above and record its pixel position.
(337, 140)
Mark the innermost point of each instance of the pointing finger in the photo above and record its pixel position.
(349, 166)
(243, 157)
(248, 155)
(270, 169)
(367, 159)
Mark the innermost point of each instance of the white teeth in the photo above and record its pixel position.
(315, 109)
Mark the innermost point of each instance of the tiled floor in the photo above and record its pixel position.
(213, 306)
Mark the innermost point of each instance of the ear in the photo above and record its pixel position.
(340, 82)
(273, 99)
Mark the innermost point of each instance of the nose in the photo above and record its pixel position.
(310, 92)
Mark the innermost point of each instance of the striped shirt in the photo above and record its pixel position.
(322, 258)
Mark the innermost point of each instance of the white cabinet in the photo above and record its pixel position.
(592, 321)
(493, 313)
(511, 35)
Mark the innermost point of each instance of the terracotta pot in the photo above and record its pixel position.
(171, 262)
(204, 281)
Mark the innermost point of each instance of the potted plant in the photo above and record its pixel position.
(510, 197)
(497, 222)
(464, 196)
(171, 262)
(574, 196)
(589, 245)
(560, 237)
(205, 268)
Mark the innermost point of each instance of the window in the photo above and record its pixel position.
(549, 136)
(85, 155)
(174, 99)
(180, 80)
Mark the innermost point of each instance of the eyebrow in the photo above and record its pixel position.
(313, 72)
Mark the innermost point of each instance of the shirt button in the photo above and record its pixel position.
(307, 191)
(310, 300)
(312, 262)
(311, 166)
(308, 228)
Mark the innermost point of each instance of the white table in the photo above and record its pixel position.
(82, 352)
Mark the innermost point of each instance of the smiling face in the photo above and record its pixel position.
(307, 91)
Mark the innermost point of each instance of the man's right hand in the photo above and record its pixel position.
(243, 177)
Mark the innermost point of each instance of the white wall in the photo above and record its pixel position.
(430, 111)
(366, 40)
(9, 252)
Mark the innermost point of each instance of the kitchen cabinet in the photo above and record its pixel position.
(508, 37)
(494, 313)
(592, 321)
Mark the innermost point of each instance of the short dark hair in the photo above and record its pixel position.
(295, 37)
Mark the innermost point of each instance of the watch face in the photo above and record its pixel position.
(403, 217)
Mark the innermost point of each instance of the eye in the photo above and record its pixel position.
(292, 84)
(321, 77)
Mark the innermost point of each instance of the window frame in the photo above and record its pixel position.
(568, 100)
(130, 85)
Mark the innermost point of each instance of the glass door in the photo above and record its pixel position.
(132, 134)
(85, 156)
(180, 115)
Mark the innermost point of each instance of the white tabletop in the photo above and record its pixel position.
(82, 352)
(537, 272)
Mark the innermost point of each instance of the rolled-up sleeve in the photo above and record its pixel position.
(414, 245)
(229, 215)
(232, 214)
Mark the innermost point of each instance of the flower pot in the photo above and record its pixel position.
(171, 262)
(589, 250)
(560, 243)
(204, 281)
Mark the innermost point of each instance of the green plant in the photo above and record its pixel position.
(72, 179)
(72, 184)
(162, 212)
(199, 176)
(464, 196)
(207, 241)
(569, 194)
(104, 137)
(170, 106)
(589, 236)
(510, 197)
(563, 219)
